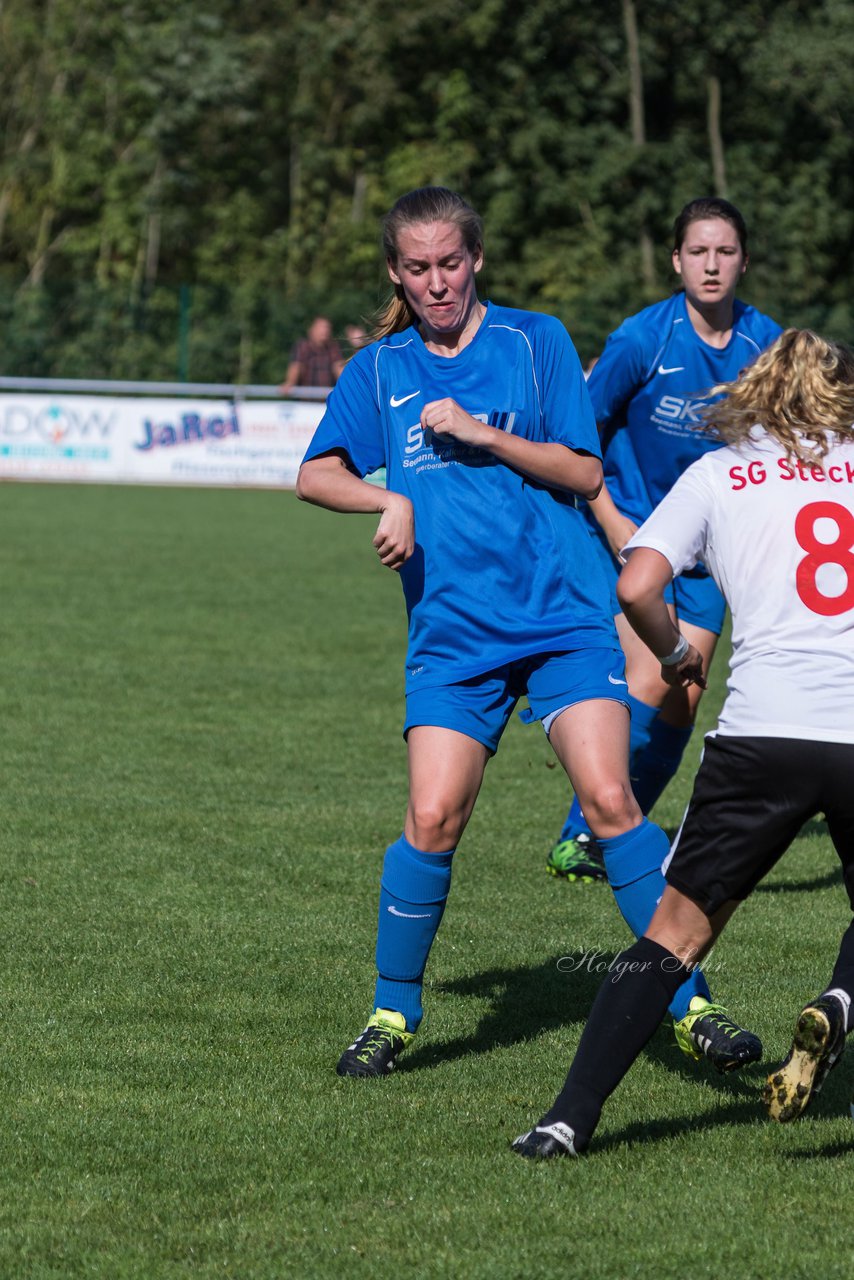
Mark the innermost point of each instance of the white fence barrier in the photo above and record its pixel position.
(149, 433)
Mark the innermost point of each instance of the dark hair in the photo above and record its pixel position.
(426, 204)
(709, 207)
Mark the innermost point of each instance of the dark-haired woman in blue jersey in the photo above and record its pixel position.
(482, 420)
(648, 389)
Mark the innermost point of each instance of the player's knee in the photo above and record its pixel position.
(434, 826)
(611, 809)
(648, 687)
(680, 925)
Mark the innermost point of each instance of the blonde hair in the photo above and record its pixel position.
(426, 204)
(800, 391)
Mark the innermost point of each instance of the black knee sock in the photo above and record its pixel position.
(842, 978)
(628, 1007)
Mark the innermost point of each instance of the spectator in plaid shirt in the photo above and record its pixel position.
(316, 360)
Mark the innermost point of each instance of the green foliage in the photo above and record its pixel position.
(147, 145)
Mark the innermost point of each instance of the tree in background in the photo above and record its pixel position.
(246, 152)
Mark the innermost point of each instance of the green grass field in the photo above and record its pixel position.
(202, 764)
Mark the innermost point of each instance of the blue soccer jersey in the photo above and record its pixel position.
(648, 388)
(502, 567)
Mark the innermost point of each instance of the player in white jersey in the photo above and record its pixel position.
(772, 516)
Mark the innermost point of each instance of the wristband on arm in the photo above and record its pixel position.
(673, 659)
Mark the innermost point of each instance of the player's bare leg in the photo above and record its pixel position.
(445, 773)
(591, 740)
(661, 725)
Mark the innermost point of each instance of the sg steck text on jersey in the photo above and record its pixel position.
(756, 473)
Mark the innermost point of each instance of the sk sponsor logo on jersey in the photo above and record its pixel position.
(678, 409)
(396, 401)
(677, 368)
(407, 915)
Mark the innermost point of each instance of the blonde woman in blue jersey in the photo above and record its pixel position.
(648, 390)
(480, 415)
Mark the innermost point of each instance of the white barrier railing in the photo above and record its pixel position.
(232, 391)
(154, 433)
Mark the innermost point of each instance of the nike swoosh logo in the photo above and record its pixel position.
(611, 680)
(676, 369)
(395, 403)
(406, 915)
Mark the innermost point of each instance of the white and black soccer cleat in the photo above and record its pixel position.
(545, 1141)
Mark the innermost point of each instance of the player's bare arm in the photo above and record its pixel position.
(640, 591)
(616, 527)
(395, 536)
(551, 463)
(328, 482)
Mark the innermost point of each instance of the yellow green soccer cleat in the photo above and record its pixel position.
(578, 859)
(374, 1052)
(816, 1048)
(707, 1031)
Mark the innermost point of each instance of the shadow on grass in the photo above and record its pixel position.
(526, 1002)
(736, 1113)
(831, 1152)
(831, 1104)
(803, 886)
(660, 1130)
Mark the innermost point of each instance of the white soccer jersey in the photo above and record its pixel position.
(778, 538)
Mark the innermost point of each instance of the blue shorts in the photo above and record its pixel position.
(480, 707)
(694, 594)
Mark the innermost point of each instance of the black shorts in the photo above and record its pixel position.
(751, 797)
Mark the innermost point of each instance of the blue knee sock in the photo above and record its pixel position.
(643, 716)
(633, 863)
(413, 893)
(575, 823)
(652, 769)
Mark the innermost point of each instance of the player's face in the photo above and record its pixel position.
(711, 261)
(437, 273)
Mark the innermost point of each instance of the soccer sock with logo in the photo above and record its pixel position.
(633, 863)
(413, 893)
(642, 718)
(652, 768)
(626, 1012)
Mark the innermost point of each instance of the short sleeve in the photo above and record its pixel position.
(680, 526)
(772, 331)
(567, 413)
(618, 373)
(352, 420)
